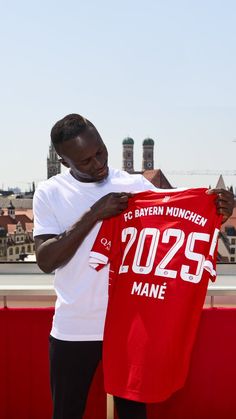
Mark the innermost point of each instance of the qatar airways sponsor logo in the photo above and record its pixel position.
(106, 243)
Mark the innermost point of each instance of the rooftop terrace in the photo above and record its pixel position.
(26, 309)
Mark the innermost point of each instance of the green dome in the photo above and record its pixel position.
(148, 141)
(128, 140)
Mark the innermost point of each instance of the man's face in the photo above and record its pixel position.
(86, 155)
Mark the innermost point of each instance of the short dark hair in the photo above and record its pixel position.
(68, 128)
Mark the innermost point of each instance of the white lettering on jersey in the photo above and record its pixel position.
(171, 211)
(128, 215)
(132, 232)
(191, 255)
(141, 212)
(140, 266)
(154, 233)
(161, 267)
(149, 290)
(187, 215)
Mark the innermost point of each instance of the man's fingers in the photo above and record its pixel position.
(224, 202)
(124, 198)
(121, 194)
(222, 194)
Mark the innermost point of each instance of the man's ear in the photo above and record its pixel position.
(62, 161)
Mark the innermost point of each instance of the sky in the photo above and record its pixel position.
(163, 69)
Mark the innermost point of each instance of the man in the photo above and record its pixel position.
(68, 209)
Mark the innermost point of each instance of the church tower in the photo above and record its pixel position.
(128, 155)
(11, 210)
(148, 158)
(53, 164)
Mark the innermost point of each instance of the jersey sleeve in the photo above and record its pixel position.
(45, 221)
(101, 251)
(211, 259)
(210, 262)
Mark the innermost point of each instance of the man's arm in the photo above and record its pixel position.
(53, 251)
(224, 202)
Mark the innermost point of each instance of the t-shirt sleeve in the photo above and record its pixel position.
(101, 251)
(45, 221)
(148, 186)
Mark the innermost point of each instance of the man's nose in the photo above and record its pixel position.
(98, 163)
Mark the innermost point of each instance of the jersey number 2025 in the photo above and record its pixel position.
(132, 237)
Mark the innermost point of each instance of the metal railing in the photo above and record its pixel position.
(9, 291)
(25, 291)
(220, 291)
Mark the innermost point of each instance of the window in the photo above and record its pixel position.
(10, 251)
(28, 248)
(17, 250)
(232, 259)
(232, 251)
(232, 241)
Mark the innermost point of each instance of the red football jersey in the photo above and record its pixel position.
(162, 252)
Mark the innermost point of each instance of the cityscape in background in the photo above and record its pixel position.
(16, 214)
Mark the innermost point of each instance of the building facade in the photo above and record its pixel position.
(16, 234)
(53, 163)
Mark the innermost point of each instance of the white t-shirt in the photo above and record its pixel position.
(81, 292)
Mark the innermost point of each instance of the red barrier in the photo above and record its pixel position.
(209, 392)
(24, 367)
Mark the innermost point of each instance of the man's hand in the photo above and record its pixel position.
(112, 204)
(224, 202)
